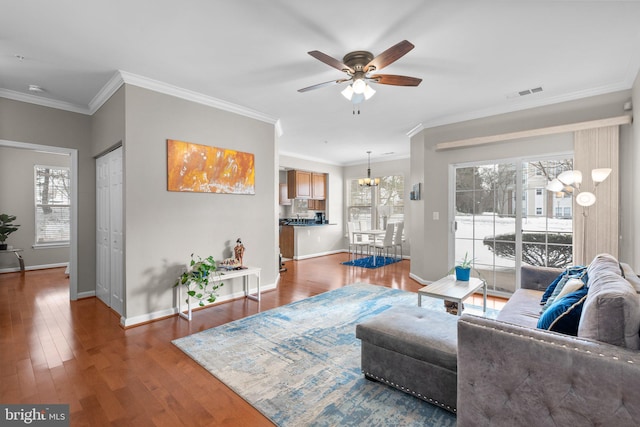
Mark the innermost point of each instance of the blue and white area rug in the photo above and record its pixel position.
(299, 364)
(368, 262)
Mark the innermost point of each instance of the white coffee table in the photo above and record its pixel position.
(450, 289)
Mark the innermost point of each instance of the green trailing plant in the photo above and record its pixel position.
(6, 226)
(201, 279)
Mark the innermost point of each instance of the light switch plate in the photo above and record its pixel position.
(436, 216)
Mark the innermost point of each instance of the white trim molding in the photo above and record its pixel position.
(189, 95)
(127, 322)
(121, 77)
(45, 102)
(106, 92)
(572, 127)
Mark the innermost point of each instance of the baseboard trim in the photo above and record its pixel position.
(88, 294)
(420, 280)
(319, 254)
(339, 251)
(161, 314)
(34, 267)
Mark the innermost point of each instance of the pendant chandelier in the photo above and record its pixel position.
(368, 181)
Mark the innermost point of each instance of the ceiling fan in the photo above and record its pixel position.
(360, 67)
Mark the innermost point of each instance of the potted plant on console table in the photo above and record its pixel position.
(6, 227)
(202, 282)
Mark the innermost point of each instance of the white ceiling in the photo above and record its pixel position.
(472, 56)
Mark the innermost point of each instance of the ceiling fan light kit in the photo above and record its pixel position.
(360, 67)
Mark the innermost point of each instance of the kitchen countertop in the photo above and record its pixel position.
(313, 224)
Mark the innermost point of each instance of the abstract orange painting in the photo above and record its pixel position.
(205, 169)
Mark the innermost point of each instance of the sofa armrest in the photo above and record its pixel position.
(537, 278)
(512, 375)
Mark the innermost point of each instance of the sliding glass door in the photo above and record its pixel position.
(504, 216)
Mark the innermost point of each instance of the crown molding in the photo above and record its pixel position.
(550, 130)
(416, 130)
(513, 107)
(45, 102)
(107, 91)
(307, 158)
(121, 77)
(279, 130)
(189, 95)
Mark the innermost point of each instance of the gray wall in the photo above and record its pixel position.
(432, 260)
(630, 161)
(163, 228)
(34, 124)
(17, 198)
(108, 124)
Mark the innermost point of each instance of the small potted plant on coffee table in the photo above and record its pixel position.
(463, 269)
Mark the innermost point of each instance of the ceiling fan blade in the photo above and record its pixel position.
(323, 57)
(390, 55)
(325, 84)
(390, 79)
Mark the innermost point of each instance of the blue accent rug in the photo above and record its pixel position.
(367, 262)
(299, 364)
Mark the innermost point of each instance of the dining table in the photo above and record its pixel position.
(373, 236)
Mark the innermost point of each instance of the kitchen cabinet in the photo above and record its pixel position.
(319, 185)
(299, 184)
(316, 205)
(284, 195)
(287, 239)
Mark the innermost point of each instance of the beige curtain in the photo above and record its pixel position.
(596, 227)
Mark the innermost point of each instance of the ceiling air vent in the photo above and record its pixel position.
(524, 92)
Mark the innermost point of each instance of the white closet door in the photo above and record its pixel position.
(102, 229)
(110, 232)
(116, 272)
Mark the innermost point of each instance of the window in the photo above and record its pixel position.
(53, 205)
(371, 207)
(498, 232)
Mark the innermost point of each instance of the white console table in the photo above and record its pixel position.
(224, 275)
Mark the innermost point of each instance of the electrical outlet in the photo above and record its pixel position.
(436, 216)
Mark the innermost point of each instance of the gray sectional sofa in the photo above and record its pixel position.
(508, 372)
(512, 373)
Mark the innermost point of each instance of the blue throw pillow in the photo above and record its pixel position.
(578, 271)
(563, 316)
(552, 287)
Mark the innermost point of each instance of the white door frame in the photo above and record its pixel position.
(73, 153)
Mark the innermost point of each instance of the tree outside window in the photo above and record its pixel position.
(53, 205)
(371, 207)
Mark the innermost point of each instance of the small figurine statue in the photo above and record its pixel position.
(239, 251)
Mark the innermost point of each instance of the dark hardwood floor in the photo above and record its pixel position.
(57, 351)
